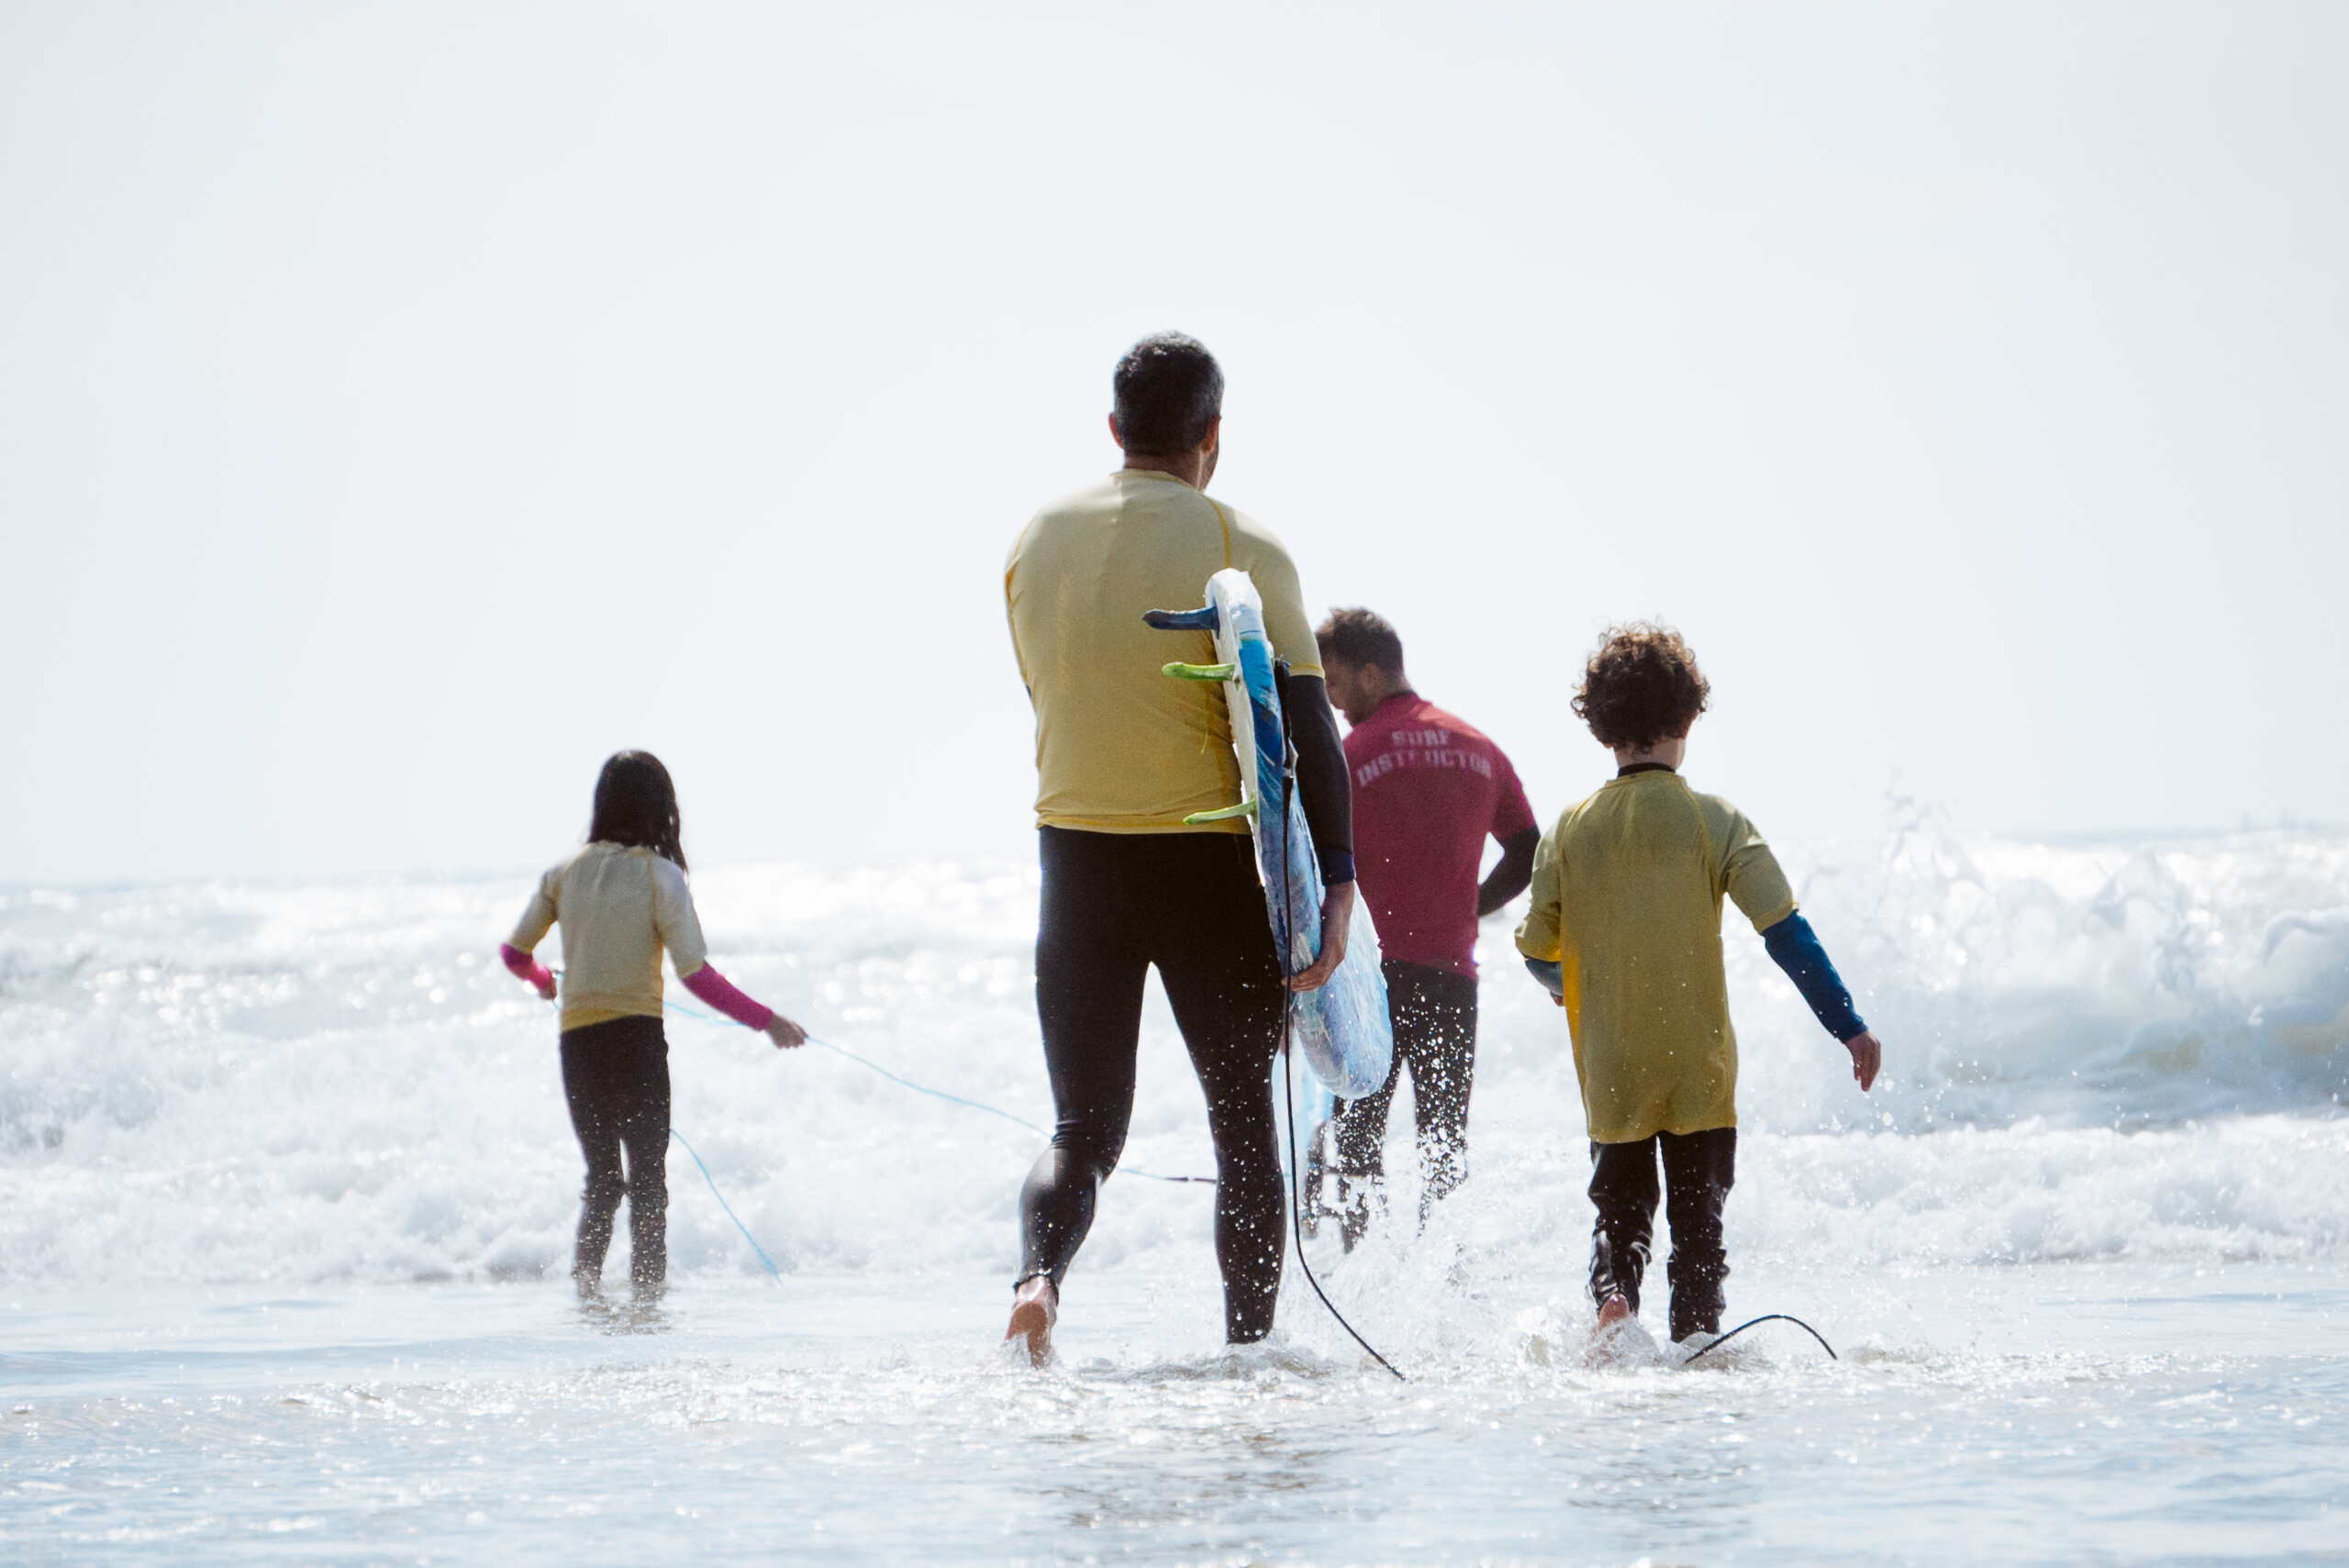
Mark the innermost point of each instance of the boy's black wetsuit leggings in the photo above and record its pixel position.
(1115, 903)
(615, 1076)
(1698, 1169)
(1434, 1015)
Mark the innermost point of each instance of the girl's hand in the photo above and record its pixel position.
(546, 990)
(785, 1033)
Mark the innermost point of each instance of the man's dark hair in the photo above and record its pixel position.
(1168, 390)
(1641, 686)
(1357, 636)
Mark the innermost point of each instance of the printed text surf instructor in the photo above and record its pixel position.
(1122, 755)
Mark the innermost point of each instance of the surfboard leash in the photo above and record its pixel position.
(1289, 1029)
(902, 1081)
(867, 1062)
(1296, 1204)
(728, 1208)
(1769, 1317)
(1296, 1209)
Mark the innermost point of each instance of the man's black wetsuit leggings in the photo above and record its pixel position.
(1113, 905)
(615, 1076)
(1698, 1170)
(1434, 1015)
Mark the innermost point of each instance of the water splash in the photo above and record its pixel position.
(2095, 1051)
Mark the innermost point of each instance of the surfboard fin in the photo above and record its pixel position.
(1222, 813)
(1183, 672)
(1200, 619)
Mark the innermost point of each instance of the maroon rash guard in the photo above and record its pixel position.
(1427, 790)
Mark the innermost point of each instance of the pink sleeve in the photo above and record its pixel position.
(718, 991)
(525, 967)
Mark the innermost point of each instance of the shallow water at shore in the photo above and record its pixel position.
(2045, 1414)
(286, 1184)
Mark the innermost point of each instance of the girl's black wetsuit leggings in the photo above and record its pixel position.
(1115, 903)
(615, 1076)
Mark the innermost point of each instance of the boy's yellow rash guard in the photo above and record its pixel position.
(619, 905)
(1120, 748)
(1627, 901)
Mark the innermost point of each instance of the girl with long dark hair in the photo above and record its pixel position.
(621, 900)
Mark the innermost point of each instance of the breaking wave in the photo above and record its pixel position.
(2095, 1050)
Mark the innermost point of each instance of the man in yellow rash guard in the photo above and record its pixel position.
(1625, 928)
(1122, 755)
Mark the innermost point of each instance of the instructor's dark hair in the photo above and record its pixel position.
(1361, 637)
(1166, 391)
(636, 803)
(1641, 686)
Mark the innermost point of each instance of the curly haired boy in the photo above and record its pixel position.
(1625, 931)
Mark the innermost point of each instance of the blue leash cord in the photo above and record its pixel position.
(974, 1105)
(728, 1208)
(907, 1082)
(867, 1061)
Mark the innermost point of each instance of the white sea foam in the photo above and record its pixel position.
(2124, 1051)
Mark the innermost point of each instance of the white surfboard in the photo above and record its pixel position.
(1344, 1027)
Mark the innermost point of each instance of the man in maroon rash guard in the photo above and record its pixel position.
(1427, 791)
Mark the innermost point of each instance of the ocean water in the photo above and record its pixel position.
(286, 1187)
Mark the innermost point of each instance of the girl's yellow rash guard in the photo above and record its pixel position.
(619, 905)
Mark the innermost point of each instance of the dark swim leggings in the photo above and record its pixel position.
(1115, 903)
(1698, 1170)
(615, 1076)
(1434, 1015)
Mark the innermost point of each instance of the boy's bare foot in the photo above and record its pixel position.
(1618, 1338)
(1034, 1309)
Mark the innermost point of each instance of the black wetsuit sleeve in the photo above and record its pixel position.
(1794, 947)
(1512, 873)
(1321, 775)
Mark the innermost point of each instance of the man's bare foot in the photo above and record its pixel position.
(1613, 1310)
(1034, 1309)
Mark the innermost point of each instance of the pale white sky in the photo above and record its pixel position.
(403, 407)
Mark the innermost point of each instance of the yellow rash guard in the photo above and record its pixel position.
(1119, 748)
(620, 906)
(1627, 900)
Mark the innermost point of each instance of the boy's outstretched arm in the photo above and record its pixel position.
(1794, 947)
(1867, 1055)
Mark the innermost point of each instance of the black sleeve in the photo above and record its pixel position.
(1321, 777)
(1512, 873)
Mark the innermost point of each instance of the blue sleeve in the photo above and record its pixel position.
(1794, 947)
